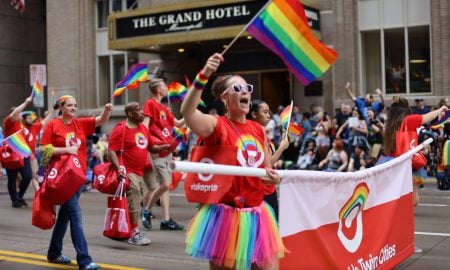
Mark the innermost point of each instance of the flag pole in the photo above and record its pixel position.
(245, 28)
(289, 120)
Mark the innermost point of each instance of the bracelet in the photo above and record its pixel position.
(200, 81)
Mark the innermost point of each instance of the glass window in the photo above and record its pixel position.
(419, 59)
(394, 53)
(116, 5)
(132, 4)
(104, 85)
(119, 74)
(371, 57)
(102, 13)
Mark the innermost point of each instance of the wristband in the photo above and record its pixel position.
(200, 81)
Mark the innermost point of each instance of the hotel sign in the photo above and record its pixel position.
(164, 21)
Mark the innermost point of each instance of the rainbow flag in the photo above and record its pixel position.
(179, 133)
(177, 92)
(440, 123)
(285, 116)
(295, 130)
(136, 74)
(37, 89)
(282, 27)
(18, 144)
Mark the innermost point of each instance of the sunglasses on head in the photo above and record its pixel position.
(239, 87)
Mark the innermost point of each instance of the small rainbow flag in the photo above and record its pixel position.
(18, 144)
(283, 28)
(37, 89)
(295, 130)
(440, 123)
(285, 116)
(179, 133)
(136, 74)
(177, 92)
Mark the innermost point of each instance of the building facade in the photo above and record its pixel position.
(399, 46)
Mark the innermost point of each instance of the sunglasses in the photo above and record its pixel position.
(239, 87)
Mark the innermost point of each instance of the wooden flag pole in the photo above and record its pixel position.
(244, 28)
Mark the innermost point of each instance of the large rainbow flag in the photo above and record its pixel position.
(18, 144)
(37, 89)
(282, 27)
(136, 74)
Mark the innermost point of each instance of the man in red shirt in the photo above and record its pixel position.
(136, 143)
(11, 125)
(160, 122)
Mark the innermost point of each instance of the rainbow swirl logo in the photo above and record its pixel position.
(140, 140)
(71, 140)
(250, 152)
(353, 209)
(162, 115)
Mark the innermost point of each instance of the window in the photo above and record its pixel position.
(102, 13)
(419, 59)
(394, 54)
(104, 84)
(371, 56)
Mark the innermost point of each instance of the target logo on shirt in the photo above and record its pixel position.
(141, 140)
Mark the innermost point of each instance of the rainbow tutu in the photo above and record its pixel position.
(235, 237)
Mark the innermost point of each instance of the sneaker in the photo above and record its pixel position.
(60, 260)
(91, 266)
(139, 240)
(146, 219)
(170, 225)
(23, 202)
(17, 204)
(417, 249)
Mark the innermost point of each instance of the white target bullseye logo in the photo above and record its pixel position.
(101, 178)
(206, 177)
(76, 162)
(53, 173)
(5, 154)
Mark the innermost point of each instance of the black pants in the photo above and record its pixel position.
(272, 200)
(26, 174)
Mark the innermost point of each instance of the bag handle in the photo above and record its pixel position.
(403, 125)
(120, 190)
(122, 145)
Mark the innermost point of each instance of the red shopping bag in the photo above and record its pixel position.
(117, 223)
(64, 178)
(10, 159)
(405, 141)
(105, 179)
(43, 212)
(201, 188)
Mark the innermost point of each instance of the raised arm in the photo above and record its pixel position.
(15, 114)
(349, 91)
(378, 91)
(104, 117)
(200, 123)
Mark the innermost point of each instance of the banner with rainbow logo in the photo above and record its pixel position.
(360, 220)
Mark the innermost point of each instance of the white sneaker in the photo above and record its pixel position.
(139, 240)
(417, 249)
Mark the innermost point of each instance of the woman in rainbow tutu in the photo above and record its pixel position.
(240, 230)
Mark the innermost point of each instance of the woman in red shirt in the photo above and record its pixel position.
(67, 135)
(239, 231)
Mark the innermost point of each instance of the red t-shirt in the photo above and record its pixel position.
(249, 140)
(136, 144)
(31, 133)
(161, 121)
(10, 127)
(59, 134)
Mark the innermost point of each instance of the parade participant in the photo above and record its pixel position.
(136, 142)
(400, 113)
(160, 122)
(67, 135)
(11, 125)
(260, 113)
(31, 129)
(366, 102)
(241, 215)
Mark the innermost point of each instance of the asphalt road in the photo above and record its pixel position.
(23, 246)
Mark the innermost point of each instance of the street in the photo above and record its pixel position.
(23, 246)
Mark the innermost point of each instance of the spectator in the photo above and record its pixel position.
(367, 102)
(336, 160)
(375, 137)
(359, 160)
(420, 107)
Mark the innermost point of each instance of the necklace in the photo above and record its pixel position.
(251, 159)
